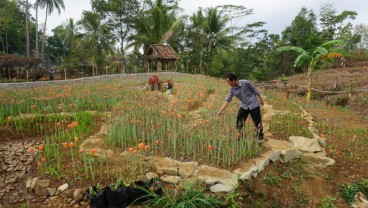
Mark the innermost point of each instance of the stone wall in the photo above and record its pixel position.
(140, 76)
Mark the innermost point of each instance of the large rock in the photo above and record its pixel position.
(290, 154)
(211, 175)
(288, 151)
(272, 155)
(261, 162)
(166, 166)
(360, 201)
(170, 179)
(186, 169)
(41, 187)
(218, 188)
(317, 159)
(246, 170)
(305, 144)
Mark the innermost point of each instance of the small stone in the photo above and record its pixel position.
(41, 187)
(222, 188)
(63, 187)
(171, 179)
(68, 193)
(33, 183)
(78, 194)
(51, 191)
(151, 175)
(160, 172)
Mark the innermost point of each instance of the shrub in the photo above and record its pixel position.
(192, 196)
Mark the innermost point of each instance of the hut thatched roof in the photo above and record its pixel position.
(161, 52)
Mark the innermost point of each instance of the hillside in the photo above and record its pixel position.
(344, 87)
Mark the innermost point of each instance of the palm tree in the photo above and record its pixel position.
(71, 31)
(27, 30)
(328, 50)
(157, 25)
(210, 31)
(216, 30)
(36, 46)
(49, 6)
(97, 37)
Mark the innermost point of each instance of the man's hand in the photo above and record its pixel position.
(226, 103)
(262, 102)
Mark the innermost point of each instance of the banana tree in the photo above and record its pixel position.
(328, 50)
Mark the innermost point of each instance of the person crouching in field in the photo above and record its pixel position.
(250, 99)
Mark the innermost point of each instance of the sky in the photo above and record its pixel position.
(278, 14)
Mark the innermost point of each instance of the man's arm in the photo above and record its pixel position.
(226, 103)
(261, 101)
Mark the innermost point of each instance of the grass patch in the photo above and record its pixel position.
(284, 126)
(348, 191)
(270, 179)
(191, 196)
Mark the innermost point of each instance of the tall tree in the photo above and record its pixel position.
(27, 29)
(303, 31)
(362, 31)
(157, 25)
(49, 6)
(328, 50)
(97, 38)
(11, 34)
(334, 24)
(71, 30)
(119, 15)
(37, 44)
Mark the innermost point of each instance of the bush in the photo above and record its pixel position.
(192, 196)
(349, 191)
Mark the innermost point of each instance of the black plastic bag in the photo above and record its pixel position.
(138, 192)
(99, 200)
(116, 198)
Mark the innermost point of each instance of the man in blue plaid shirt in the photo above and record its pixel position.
(250, 99)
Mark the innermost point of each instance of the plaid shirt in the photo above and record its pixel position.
(246, 93)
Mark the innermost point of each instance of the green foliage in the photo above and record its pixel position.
(303, 31)
(327, 202)
(12, 32)
(349, 191)
(94, 191)
(192, 196)
(233, 198)
(272, 180)
(119, 182)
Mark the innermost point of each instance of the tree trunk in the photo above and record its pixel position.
(36, 48)
(6, 42)
(27, 30)
(44, 39)
(309, 85)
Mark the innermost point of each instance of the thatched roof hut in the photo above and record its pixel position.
(161, 56)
